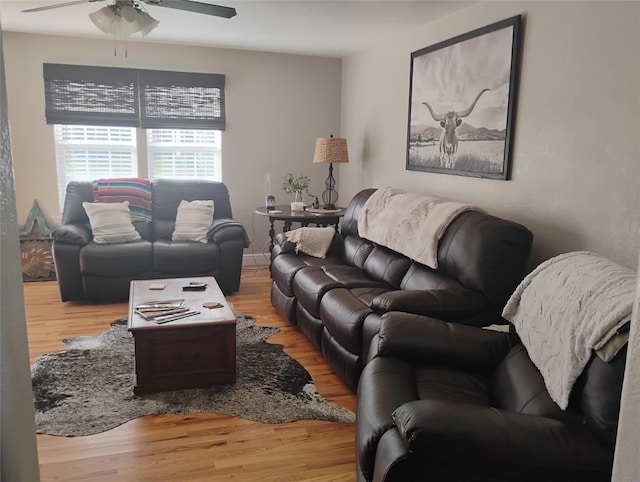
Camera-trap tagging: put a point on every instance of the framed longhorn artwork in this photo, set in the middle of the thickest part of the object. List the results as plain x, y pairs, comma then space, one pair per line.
462, 103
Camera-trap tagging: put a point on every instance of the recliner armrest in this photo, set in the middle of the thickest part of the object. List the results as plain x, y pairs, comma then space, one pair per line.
448, 305
226, 229
507, 444
425, 339
79, 234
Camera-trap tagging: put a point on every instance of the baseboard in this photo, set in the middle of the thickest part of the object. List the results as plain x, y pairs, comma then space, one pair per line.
261, 259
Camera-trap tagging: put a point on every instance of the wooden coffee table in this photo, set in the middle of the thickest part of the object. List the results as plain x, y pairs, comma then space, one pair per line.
191, 352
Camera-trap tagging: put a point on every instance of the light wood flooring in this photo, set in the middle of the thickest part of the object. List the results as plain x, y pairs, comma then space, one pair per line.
202, 447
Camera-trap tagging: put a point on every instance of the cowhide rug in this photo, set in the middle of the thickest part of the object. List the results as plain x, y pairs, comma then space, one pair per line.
88, 387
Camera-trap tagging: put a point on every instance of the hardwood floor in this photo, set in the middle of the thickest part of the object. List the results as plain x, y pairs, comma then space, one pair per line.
202, 447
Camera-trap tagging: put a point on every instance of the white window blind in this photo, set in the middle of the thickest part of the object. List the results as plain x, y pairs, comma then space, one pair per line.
86, 153
184, 153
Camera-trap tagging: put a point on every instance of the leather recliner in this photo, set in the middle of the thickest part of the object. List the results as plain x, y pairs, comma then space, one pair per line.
447, 402
103, 272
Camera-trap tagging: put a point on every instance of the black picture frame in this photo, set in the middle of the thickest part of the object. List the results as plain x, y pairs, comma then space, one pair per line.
462, 103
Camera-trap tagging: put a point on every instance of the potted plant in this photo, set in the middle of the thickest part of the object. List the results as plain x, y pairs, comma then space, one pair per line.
296, 185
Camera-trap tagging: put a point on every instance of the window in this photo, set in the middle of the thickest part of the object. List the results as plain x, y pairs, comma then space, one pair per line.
181, 153
162, 123
86, 153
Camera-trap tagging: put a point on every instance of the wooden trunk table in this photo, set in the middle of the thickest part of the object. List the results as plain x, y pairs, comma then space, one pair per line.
191, 352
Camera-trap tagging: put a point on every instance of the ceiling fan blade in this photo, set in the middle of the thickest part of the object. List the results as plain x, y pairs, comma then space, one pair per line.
197, 7
58, 5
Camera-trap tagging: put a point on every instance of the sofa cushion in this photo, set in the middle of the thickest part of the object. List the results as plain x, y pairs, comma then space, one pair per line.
111, 223
343, 314
283, 271
310, 285
193, 220
352, 277
116, 260
434, 382
175, 258
419, 277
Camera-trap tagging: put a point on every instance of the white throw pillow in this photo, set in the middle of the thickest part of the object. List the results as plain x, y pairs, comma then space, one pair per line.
111, 222
193, 221
312, 241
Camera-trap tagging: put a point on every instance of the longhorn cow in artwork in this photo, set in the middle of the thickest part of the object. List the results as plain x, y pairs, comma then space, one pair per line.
449, 138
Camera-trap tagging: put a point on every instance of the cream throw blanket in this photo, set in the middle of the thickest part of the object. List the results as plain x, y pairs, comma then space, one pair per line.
567, 307
313, 241
411, 224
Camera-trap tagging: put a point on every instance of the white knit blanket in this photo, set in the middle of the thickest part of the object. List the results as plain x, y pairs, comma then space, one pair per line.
567, 307
411, 224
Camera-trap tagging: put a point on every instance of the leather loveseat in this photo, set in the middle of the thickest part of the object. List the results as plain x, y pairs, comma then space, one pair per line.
443, 401
102, 272
337, 301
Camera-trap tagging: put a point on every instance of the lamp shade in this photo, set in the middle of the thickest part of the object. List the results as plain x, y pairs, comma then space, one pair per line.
331, 149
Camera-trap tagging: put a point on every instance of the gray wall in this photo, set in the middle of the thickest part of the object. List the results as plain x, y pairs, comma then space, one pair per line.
277, 105
19, 458
576, 162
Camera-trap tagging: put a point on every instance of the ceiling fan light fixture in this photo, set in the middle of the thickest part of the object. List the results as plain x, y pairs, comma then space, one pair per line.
128, 20
123, 19
149, 23
104, 19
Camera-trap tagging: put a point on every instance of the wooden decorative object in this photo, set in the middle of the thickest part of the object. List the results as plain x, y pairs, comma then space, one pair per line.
35, 247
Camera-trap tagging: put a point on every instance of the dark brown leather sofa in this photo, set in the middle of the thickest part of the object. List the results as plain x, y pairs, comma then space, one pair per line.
447, 402
337, 302
102, 272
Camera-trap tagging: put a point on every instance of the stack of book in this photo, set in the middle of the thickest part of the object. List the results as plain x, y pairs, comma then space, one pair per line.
164, 311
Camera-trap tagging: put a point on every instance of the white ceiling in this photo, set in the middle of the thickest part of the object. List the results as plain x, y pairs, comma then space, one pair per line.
321, 27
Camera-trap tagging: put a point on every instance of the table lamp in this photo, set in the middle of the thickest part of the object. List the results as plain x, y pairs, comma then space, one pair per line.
330, 149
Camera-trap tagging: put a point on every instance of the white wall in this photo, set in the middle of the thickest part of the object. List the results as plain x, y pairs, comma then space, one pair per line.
576, 161
276, 104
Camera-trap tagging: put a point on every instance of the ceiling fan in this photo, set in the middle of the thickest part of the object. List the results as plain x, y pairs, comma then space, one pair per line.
130, 16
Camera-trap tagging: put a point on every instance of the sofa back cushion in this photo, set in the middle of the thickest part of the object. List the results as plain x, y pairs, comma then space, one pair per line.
168, 193
481, 251
386, 265
518, 386
601, 390
355, 251
349, 225
77, 193
485, 253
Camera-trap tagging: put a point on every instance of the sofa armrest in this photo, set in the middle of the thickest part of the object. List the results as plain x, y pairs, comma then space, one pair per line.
285, 246
226, 229
425, 339
79, 234
448, 305
505, 444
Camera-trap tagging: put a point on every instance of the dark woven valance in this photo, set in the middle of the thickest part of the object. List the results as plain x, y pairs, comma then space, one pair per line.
111, 96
